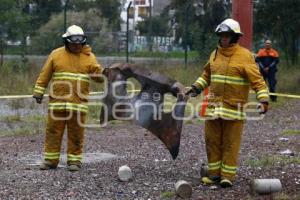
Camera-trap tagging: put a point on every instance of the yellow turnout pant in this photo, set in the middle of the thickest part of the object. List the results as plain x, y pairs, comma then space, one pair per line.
223, 139
57, 120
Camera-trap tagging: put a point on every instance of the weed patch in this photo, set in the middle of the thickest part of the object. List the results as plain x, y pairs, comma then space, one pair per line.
275, 160
167, 194
291, 132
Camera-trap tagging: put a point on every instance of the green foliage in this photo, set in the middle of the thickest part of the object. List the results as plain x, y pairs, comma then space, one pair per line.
201, 25
109, 9
43, 11
23, 18
95, 27
281, 26
14, 23
159, 26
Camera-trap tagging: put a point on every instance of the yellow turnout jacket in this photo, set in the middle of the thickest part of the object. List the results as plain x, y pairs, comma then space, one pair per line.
70, 74
230, 73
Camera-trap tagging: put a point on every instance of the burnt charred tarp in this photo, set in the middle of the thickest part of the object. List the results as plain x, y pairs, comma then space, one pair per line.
145, 108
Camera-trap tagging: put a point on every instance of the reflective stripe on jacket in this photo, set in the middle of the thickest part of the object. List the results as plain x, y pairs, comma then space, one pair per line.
70, 74
230, 73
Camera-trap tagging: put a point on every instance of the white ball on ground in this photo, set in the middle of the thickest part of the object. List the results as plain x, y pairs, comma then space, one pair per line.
124, 173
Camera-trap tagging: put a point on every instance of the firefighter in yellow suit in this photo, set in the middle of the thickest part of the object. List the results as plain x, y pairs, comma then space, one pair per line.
230, 72
70, 67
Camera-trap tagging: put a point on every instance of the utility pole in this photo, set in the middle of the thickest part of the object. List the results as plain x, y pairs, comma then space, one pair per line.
150, 25
65, 14
127, 31
186, 25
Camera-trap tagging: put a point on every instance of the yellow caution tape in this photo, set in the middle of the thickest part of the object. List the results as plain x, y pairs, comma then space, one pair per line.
94, 93
18, 96
285, 95
282, 95
30, 96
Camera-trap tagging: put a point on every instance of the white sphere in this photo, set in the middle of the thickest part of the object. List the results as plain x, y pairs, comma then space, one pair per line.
124, 173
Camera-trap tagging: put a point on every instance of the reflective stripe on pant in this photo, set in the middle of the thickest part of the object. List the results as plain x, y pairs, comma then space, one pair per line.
223, 138
54, 134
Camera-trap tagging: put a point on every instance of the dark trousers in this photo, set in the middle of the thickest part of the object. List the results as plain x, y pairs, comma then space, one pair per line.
270, 78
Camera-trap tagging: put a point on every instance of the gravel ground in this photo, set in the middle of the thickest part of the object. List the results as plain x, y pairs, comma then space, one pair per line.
154, 172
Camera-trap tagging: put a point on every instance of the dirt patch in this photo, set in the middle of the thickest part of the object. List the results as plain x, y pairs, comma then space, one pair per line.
154, 172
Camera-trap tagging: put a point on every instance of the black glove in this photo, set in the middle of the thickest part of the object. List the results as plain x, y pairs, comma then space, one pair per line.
194, 91
38, 99
263, 107
105, 71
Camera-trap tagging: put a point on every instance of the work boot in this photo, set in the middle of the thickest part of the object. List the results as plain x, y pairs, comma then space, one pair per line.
74, 167
210, 180
46, 165
225, 183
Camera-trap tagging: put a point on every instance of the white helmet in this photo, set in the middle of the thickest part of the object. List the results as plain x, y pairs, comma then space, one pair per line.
74, 34
229, 25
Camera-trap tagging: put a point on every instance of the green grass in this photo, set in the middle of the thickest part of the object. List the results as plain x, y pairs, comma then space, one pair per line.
29, 125
19, 77
288, 79
18, 50
291, 132
11, 119
167, 194
176, 54
18, 132
270, 161
27, 119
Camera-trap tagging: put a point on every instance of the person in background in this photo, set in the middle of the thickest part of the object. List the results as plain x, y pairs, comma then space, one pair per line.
267, 60
70, 68
229, 73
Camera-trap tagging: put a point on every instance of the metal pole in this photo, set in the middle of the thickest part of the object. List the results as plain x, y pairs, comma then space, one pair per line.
65, 14
186, 21
127, 31
150, 25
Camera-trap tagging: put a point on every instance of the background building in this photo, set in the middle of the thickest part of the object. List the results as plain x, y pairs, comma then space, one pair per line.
141, 10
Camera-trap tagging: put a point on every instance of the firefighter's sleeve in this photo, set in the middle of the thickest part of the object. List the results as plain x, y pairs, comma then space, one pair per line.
96, 70
256, 80
44, 78
204, 80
